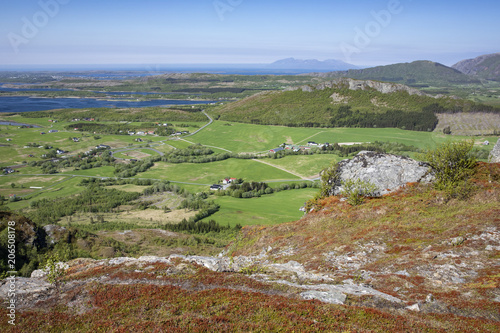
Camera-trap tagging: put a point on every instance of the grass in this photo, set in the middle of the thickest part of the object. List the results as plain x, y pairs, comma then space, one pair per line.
305, 165
209, 173
14, 152
179, 144
267, 210
235, 137
193, 126
23, 183
469, 124
149, 218
239, 137
64, 188
128, 188
138, 153
105, 171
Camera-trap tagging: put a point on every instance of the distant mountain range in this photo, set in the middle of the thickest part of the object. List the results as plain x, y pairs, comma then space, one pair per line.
485, 67
414, 73
312, 65
422, 72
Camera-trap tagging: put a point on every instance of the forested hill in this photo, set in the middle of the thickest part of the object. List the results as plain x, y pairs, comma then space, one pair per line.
347, 103
414, 73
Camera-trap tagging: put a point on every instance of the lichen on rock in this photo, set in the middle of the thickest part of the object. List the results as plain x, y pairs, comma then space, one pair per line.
495, 153
387, 172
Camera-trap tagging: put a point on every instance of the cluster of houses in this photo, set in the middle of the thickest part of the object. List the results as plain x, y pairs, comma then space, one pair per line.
226, 182
141, 133
179, 133
58, 152
83, 119
51, 131
297, 148
98, 147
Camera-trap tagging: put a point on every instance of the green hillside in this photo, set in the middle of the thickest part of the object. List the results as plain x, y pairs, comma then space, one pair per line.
337, 104
414, 73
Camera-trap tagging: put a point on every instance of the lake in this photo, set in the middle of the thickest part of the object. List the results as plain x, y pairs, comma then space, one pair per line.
25, 104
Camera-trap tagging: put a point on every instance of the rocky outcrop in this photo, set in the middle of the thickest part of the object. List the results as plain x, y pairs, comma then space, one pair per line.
324, 288
495, 153
383, 87
54, 233
386, 171
27, 232
352, 84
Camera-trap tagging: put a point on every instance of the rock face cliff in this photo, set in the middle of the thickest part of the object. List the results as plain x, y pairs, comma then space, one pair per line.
386, 171
495, 153
383, 87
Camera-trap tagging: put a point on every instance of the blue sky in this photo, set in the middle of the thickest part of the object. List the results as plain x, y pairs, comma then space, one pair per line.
245, 31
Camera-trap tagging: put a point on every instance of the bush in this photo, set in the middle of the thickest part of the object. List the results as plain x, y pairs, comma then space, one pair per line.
453, 164
356, 189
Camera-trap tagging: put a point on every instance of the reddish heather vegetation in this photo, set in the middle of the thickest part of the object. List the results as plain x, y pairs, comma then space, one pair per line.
189, 298
438, 256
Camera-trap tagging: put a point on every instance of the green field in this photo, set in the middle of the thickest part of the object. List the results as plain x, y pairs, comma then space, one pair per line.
136, 153
267, 210
105, 171
305, 165
52, 190
23, 184
239, 137
178, 143
14, 151
209, 173
220, 135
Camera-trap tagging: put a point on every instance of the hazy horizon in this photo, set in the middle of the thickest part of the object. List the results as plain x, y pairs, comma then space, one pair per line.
223, 32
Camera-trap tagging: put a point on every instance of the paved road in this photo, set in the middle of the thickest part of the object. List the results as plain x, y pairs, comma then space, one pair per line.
210, 121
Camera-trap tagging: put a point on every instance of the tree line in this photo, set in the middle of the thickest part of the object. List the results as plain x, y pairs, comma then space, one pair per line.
94, 199
248, 190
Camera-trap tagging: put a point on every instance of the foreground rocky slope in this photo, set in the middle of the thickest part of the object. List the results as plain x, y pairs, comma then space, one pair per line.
412, 261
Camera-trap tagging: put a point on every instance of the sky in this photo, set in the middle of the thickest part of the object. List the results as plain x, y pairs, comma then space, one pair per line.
154, 32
